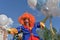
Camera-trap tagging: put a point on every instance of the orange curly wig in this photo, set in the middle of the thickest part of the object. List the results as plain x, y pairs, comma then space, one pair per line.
28, 16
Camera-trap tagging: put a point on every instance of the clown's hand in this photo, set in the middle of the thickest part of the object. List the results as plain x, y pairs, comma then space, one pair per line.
42, 25
12, 31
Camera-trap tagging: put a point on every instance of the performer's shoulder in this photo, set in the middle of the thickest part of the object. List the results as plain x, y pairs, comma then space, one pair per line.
37, 23
19, 27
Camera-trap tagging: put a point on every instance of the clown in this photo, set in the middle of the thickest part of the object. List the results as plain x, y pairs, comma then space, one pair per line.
28, 27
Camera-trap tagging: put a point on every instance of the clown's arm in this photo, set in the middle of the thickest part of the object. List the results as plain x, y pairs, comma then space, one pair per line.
42, 23
14, 31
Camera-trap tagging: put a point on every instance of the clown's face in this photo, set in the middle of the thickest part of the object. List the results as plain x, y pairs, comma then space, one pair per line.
26, 22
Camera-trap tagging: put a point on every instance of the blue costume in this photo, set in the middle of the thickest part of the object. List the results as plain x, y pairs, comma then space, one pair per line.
27, 33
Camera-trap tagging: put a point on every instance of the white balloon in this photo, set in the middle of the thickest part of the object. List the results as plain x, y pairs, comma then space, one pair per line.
53, 7
10, 21
3, 20
36, 4
32, 3
9, 24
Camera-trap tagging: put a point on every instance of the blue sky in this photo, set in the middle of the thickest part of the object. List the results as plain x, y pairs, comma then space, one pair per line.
15, 8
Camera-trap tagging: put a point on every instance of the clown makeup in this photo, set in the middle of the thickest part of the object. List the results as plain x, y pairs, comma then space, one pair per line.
26, 22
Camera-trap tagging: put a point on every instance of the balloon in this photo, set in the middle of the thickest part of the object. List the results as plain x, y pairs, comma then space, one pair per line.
53, 7
3, 20
36, 4
32, 3
48, 7
9, 24
40, 4
10, 21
